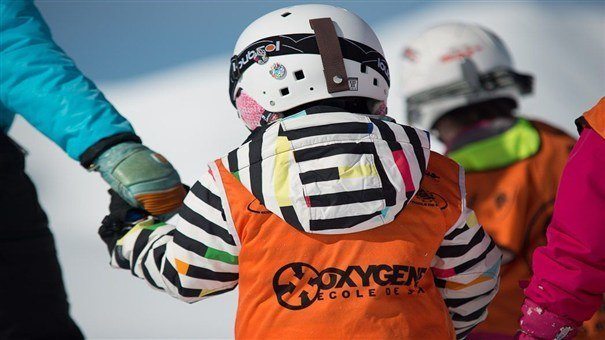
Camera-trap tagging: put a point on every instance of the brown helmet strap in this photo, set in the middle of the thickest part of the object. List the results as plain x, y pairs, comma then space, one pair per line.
331, 55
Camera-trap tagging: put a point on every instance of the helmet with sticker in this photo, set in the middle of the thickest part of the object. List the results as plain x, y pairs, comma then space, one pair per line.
454, 65
304, 54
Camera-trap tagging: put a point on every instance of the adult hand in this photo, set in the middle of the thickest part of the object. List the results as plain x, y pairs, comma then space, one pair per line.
142, 177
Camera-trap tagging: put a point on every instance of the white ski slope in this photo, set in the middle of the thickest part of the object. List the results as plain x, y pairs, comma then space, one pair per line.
185, 114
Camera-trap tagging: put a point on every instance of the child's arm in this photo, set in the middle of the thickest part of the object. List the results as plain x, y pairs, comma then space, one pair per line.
466, 269
195, 259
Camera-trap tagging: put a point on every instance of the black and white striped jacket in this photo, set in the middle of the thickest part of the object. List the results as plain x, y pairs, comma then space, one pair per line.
328, 173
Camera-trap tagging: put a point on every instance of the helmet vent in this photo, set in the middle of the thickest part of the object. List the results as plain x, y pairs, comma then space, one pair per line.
375, 82
363, 68
299, 75
285, 14
284, 92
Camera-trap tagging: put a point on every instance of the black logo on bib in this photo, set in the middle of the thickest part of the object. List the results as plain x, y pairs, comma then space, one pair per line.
429, 199
298, 285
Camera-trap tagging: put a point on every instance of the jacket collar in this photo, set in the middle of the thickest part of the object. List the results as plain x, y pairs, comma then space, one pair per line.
518, 142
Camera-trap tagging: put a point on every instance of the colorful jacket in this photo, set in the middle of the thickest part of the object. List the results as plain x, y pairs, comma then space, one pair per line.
42, 84
334, 225
511, 183
569, 272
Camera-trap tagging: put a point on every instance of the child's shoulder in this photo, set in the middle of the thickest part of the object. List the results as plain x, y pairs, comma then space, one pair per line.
443, 168
444, 179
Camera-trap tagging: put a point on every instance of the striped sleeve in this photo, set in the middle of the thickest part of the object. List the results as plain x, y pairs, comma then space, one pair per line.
196, 258
466, 269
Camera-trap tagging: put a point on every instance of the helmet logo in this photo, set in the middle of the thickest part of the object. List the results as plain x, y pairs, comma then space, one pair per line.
256, 54
278, 71
382, 65
462, 52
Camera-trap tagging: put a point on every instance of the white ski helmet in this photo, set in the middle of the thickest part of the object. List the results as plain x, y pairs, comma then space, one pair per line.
301, 54
453, 65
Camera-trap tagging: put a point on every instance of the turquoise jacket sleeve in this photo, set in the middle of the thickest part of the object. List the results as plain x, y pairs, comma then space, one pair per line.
42, 84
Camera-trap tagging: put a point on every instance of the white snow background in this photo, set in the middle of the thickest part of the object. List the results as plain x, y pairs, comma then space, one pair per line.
185, 114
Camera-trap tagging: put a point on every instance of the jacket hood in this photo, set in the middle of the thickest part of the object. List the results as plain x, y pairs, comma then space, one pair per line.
333, 173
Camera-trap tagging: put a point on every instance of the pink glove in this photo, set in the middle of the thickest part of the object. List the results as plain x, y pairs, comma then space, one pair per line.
538, 323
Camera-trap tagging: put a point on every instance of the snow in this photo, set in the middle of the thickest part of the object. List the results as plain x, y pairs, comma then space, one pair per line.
185, 114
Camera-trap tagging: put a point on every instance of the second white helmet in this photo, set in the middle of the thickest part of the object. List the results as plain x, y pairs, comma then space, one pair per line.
453, 65
302, 54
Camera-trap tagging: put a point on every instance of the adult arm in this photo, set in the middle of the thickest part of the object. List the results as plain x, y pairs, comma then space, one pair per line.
42, 84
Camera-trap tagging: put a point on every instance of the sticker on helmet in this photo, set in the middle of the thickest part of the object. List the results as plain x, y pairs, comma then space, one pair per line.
461, 52
353, 84
278, 71
410, 54
261, 56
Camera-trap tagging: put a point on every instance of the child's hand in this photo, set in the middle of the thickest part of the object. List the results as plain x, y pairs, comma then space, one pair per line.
122, 217
538, 323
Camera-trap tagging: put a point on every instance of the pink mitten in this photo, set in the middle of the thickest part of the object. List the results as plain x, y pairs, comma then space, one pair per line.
538, 323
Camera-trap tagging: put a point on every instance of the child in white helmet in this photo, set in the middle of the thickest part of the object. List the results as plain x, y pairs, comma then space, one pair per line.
460, 82
334, 221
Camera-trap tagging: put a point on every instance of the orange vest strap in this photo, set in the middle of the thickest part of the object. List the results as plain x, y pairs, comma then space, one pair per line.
595, 117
